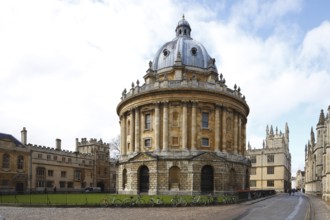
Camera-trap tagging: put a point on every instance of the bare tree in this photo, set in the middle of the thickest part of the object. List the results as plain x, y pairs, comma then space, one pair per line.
115, 148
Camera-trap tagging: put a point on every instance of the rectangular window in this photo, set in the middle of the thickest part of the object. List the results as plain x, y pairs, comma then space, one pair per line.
253, 159
147, 121
5, 182
63, 159
270, 158
41, 172
253, 171
49, 184
77, 174
147, 142
175, 140
253, 183
205, 142
70, 184
63, 174
62, 184
39, 156
270, 183
50, 173
40, 183
55, 157
270, 170
69, 160
205, 120
48, 157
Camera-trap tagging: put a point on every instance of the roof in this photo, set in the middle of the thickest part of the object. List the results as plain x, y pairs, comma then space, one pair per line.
10, 137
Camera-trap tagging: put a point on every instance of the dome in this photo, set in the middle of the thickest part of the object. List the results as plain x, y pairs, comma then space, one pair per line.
183, 49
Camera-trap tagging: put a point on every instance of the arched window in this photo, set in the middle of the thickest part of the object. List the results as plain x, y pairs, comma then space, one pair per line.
174, 177
5, 161
128, 127
207, 179
232, 179
144, 179
124, 178
20, 162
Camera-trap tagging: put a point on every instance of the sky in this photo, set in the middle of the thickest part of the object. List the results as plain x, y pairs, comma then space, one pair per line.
65, 63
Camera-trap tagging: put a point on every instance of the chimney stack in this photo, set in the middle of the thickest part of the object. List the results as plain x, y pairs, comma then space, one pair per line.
24, 136
58, 144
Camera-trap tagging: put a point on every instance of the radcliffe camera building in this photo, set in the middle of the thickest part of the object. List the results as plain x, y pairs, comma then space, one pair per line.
183, 130
317, 158
271, 164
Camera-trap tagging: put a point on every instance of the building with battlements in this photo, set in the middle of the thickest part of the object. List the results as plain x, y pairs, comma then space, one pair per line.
271, 164
317, 158
27, 167
183, 131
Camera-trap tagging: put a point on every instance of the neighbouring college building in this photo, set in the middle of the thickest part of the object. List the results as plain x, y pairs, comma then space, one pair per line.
317, 158
26, 167
271, 164
183, 131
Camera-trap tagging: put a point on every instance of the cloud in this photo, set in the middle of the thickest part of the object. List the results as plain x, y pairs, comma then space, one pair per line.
65, 63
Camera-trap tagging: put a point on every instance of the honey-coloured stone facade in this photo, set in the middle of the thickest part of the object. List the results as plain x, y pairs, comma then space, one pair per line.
183, 131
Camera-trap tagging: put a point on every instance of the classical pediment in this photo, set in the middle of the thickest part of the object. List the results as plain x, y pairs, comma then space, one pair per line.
143, 157
208, 156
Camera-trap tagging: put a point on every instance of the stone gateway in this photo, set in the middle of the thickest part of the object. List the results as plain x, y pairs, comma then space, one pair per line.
183, 131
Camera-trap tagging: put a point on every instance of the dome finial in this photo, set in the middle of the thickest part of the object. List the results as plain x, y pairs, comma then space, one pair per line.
182, 16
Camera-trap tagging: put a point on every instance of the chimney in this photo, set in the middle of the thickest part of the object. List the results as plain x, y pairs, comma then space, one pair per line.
24, 136
58, 144
77, 144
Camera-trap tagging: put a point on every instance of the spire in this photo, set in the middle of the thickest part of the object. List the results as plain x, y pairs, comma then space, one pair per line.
249, 146
267, 130
286, 135
321, 119
271, 130
312, 137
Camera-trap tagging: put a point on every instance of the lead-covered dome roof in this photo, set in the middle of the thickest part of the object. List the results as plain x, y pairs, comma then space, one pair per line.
183, 48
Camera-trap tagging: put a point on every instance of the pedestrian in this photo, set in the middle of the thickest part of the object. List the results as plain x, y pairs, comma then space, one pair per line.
289, 191
54, 189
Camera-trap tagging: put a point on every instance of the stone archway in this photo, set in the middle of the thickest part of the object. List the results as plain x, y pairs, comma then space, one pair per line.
207, 183
144, 179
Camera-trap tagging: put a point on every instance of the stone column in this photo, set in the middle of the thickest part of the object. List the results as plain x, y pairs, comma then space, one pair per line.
244, 137
235, 133
165, 126
157, 135
123, 135
137, 130
184, 125
240, 150
193, 126
131, 128
224, 127
217, 129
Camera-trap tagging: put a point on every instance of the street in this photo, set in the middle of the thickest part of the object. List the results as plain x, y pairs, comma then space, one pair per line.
282, 206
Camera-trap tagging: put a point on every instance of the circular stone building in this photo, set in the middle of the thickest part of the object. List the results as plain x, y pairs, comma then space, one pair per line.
183, 130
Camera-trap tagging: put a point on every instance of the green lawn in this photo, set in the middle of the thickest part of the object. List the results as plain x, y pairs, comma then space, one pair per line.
79, 199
